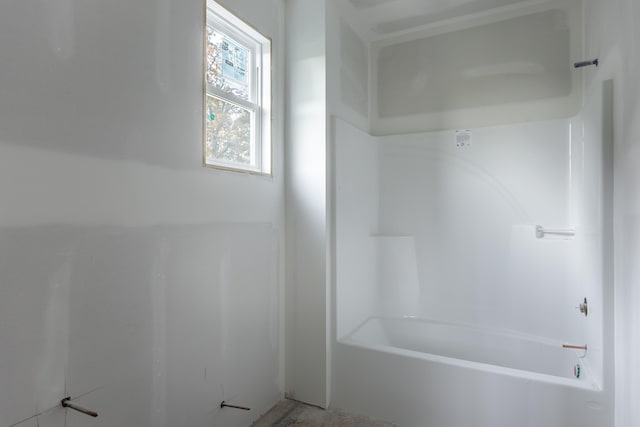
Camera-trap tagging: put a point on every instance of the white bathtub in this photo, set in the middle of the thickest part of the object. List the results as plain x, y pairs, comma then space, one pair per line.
422, 373
499, 351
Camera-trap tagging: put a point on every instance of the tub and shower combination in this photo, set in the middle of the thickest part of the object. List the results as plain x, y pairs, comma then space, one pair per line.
464, 324
452, 309
504, 351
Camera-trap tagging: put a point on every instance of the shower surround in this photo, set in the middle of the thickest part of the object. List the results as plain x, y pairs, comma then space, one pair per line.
449, 304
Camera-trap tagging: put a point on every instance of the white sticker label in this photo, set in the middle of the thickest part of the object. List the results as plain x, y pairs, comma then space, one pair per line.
463, 138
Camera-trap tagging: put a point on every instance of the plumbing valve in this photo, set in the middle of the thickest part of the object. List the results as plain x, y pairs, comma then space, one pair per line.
584, 308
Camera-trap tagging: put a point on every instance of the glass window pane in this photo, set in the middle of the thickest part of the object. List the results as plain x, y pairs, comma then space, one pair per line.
228, 133
227, 64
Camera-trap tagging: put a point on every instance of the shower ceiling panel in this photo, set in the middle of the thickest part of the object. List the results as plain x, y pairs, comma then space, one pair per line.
380, 18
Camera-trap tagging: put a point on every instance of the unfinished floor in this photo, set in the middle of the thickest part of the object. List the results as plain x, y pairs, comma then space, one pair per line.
289, 413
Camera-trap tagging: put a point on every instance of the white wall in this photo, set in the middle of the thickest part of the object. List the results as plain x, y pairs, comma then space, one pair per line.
327, 77
306, 189
508, 66
125, 277
356, 222
348, 87
611, 33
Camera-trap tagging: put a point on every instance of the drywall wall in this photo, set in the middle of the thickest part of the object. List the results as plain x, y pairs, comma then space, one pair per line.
131, 278
327, 76
513, 68
347, 68
478, 76
611, 34
306, 206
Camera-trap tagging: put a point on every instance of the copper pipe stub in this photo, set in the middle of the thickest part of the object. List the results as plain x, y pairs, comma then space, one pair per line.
575, 347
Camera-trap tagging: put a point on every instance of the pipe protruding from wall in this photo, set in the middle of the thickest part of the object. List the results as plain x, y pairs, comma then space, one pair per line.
577, 347
66, 403
586, 63
224, 404
541, 232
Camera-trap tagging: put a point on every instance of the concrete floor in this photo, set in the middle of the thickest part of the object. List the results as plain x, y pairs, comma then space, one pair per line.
289, 413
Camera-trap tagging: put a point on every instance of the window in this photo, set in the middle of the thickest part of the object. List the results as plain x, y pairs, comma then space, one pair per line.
237, 98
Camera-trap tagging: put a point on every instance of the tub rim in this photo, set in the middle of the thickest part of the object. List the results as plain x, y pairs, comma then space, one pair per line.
587, 381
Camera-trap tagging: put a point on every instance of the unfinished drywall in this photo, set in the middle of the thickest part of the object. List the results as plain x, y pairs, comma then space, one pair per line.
306, 208
348, 88
131, 278
612, 34
511, 69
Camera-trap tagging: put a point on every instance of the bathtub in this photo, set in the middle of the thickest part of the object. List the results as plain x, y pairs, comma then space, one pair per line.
423, 373
504, 352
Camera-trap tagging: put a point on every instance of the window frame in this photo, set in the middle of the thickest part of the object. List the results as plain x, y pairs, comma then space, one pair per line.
259, 79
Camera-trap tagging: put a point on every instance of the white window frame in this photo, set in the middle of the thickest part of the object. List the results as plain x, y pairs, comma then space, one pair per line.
259, 77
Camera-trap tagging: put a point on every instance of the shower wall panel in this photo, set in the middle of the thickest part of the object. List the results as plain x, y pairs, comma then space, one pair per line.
472, 210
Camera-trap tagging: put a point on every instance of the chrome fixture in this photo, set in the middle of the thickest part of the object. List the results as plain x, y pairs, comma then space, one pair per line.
541, 232
584, 308
66, 403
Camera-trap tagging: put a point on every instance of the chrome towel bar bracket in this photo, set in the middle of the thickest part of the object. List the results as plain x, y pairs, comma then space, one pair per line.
567, 233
